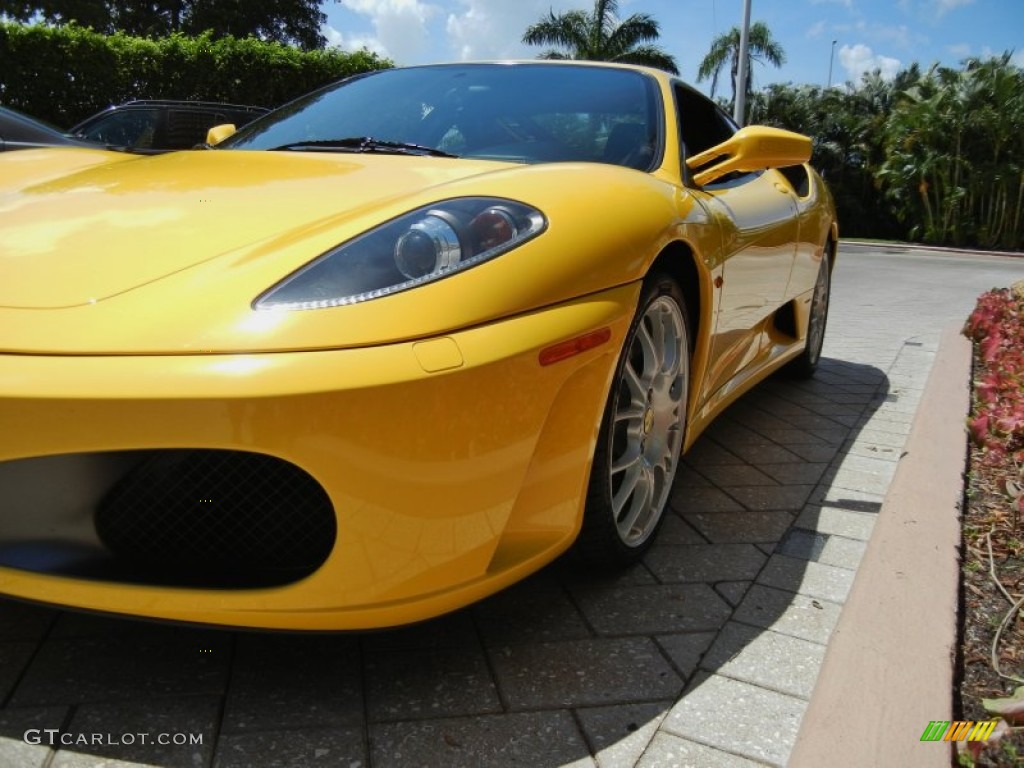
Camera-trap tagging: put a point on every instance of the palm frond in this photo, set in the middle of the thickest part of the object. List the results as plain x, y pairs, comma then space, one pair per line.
566, 30
717, 57
649, 56
637, 29
600, 35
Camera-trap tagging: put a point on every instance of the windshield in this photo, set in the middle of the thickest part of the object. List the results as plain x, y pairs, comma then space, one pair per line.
530, 113
18, 126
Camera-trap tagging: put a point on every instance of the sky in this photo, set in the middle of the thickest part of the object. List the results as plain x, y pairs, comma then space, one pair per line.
869, 34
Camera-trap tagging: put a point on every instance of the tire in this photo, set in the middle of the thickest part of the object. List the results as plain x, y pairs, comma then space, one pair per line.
641, 436
804, 366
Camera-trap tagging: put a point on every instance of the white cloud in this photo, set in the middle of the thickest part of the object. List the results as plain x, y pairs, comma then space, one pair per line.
961, 50
859, 59
1018, 58
335, 39
492, 29
816, 29
942, 7
400, 26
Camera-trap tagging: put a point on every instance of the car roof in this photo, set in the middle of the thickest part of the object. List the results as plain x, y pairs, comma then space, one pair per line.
550, 63
183, 103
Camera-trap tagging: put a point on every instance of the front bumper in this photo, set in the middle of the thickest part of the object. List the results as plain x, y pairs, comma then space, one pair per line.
454, 465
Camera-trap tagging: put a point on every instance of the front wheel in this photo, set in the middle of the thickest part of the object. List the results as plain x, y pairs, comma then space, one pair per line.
642, 430
806, 363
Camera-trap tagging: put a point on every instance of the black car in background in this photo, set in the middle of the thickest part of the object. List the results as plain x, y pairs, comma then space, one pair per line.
19, 131
151, 126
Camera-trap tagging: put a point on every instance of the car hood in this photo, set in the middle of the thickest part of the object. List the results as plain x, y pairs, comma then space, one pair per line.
96, 232
165, 255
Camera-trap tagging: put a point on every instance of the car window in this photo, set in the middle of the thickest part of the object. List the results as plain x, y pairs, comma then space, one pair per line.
188, 127
124, 128
702, 123
520, 113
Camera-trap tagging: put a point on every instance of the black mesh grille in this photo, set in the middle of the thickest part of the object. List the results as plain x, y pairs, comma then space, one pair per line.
217, 518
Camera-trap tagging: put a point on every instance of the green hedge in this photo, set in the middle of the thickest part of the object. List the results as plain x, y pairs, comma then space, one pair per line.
65, 74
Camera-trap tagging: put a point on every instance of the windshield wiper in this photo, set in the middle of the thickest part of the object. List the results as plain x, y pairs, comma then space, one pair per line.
363, 144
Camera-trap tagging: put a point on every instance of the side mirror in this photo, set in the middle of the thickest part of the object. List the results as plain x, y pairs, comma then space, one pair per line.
218, 133
753, 148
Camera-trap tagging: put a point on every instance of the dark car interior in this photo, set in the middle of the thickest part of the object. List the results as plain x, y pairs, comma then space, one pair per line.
161, 126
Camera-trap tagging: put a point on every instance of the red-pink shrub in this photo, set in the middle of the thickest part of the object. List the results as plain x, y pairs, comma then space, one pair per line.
997, 418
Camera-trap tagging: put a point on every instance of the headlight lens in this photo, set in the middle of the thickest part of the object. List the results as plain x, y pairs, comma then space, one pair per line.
417, 248
430, 245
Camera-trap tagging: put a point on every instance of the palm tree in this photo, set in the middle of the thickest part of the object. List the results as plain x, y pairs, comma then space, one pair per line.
725, 48
600, 36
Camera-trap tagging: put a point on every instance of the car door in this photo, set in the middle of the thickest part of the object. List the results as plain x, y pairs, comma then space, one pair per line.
755, 214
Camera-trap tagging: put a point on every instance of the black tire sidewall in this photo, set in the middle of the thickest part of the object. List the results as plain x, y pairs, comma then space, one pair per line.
806, 363
599, 541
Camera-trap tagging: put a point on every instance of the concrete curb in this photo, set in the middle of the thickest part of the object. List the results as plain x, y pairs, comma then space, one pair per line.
880, 245
888, 670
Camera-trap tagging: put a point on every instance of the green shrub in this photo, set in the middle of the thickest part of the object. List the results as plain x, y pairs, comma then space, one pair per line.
65, 74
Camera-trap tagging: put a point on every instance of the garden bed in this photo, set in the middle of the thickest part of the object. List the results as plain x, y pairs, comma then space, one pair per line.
991, 662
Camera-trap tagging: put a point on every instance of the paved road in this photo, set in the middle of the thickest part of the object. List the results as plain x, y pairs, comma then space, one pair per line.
705, 654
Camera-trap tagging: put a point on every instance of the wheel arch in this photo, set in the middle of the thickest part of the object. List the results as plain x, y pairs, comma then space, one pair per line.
680, 262
683, 263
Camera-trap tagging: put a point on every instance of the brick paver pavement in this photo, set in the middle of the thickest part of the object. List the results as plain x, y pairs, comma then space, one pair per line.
705, 654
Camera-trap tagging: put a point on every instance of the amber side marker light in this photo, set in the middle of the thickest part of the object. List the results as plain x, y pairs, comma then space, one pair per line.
566, 349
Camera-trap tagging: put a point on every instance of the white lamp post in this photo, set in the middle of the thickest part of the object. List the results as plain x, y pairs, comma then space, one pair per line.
831, 58
739, 109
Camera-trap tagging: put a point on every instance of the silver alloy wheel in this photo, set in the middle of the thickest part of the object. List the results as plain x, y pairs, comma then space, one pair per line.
819, 312
647, 427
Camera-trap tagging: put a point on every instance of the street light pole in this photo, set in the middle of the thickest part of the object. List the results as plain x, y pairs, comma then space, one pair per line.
740, 108
831, 58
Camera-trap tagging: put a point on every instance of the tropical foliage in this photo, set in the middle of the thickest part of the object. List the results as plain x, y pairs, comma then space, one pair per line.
725, 50
954, 155
934, 156
296, 22
75, 72
601, 36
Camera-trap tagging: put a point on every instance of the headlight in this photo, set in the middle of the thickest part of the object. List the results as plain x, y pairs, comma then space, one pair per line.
422, 246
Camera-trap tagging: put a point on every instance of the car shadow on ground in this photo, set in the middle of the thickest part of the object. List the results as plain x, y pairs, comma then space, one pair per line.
736, 600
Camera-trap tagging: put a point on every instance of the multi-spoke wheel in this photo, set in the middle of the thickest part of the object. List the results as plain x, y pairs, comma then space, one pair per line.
805, 365
641, 434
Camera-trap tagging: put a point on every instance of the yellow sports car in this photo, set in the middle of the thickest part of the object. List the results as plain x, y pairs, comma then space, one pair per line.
391, 347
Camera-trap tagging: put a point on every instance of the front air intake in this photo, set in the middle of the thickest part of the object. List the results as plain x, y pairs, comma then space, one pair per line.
216, 518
